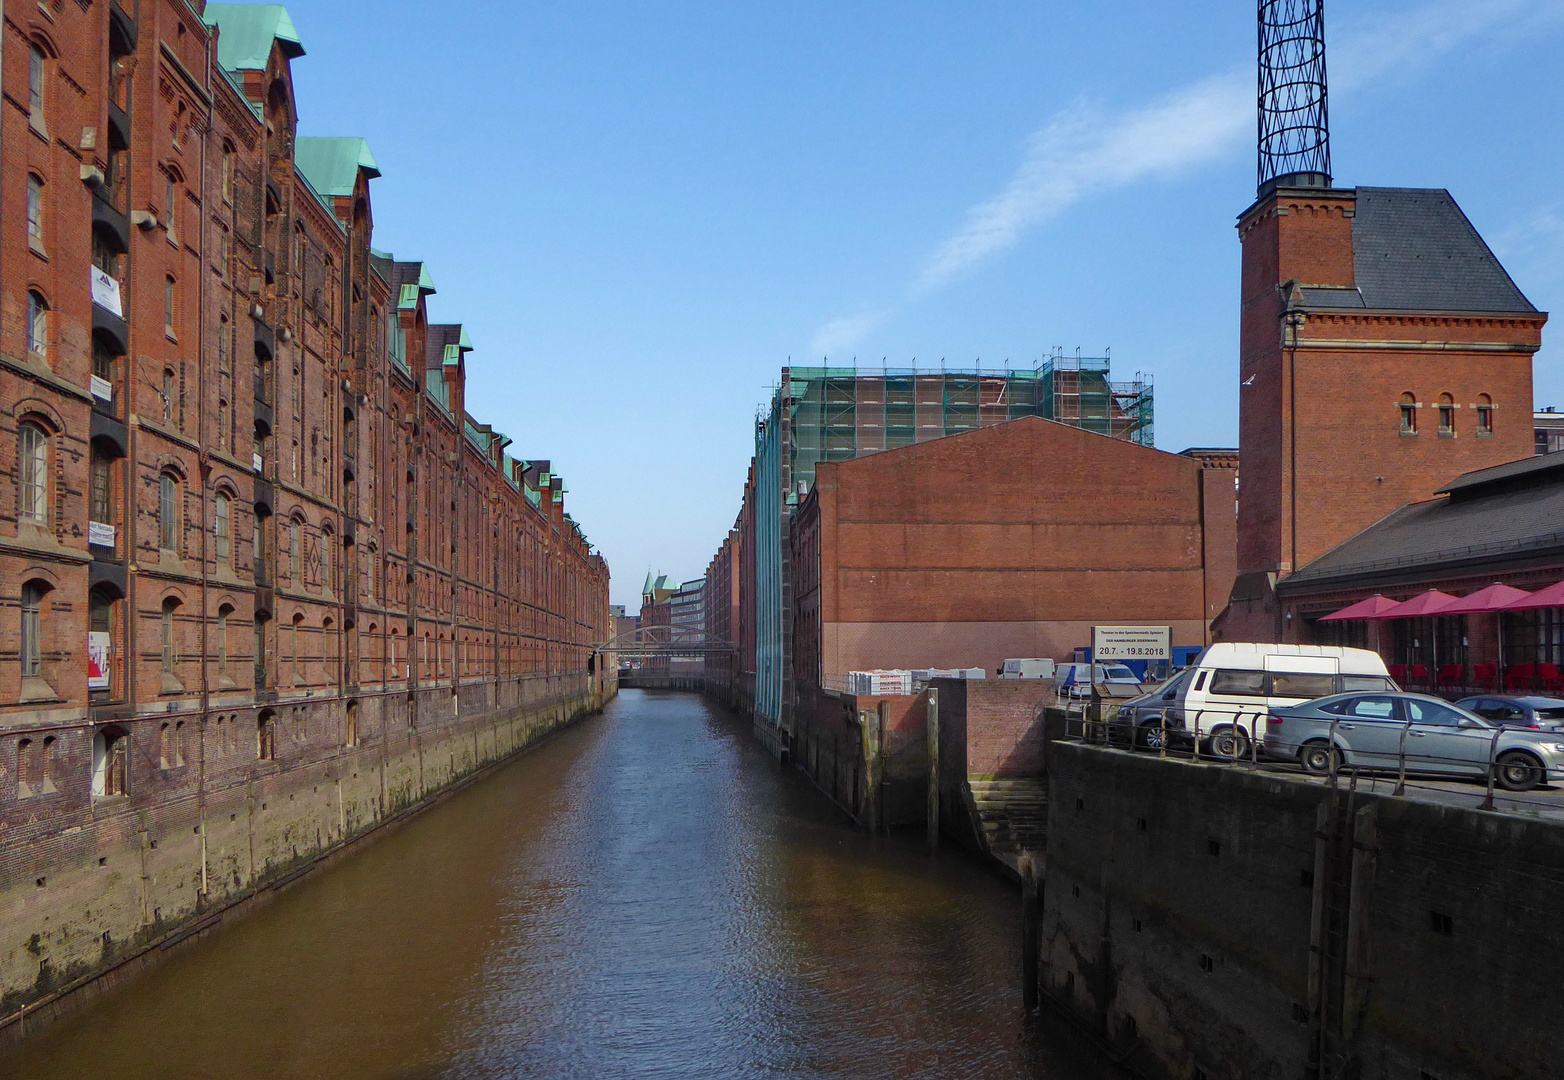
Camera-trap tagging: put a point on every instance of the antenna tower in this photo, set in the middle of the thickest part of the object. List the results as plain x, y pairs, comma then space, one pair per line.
1294, 126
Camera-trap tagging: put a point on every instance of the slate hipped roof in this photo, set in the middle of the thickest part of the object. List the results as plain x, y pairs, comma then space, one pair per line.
1509, 512
1414, 250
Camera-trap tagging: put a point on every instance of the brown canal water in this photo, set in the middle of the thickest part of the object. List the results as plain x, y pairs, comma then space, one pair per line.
646, 895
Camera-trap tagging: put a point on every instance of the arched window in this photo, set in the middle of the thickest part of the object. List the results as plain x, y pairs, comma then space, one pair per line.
222, 424
328, 651
1408, 414
1446, 414
1484, 414
32, 450
350, 725
165, 753
222, 530
100, 494
33, 593
167, 393
43, 773
37, 323
100, 640
35, 87
168, 512
228, 171
35, 211
168, 637
179, 744
266, 736
222, 640
328, 555
110, 750
24, 768
298, 661
293, 550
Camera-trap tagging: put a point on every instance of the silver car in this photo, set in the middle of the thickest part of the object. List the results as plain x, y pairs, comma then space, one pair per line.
1377, 731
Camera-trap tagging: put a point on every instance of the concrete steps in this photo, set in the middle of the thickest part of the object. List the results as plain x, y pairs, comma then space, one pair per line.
1013, 814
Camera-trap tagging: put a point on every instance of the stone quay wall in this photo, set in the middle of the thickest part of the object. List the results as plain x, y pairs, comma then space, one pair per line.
1211, 922
99, 891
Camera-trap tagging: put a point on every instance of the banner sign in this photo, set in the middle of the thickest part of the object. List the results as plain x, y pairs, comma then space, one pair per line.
105, 292
1131, 643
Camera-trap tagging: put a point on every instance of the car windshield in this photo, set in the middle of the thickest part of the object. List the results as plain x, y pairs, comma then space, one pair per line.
1118, 671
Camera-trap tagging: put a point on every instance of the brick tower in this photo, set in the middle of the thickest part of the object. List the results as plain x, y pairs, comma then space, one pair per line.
1383, 350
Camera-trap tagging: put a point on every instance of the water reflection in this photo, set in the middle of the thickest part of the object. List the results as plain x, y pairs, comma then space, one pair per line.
648, 895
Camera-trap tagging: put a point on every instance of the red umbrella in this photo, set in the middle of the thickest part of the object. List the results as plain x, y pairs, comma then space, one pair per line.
1432, 602
1372, 608
1495, 597
1552, 596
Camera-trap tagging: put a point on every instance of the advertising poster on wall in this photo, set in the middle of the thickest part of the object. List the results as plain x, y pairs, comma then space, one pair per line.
97, 660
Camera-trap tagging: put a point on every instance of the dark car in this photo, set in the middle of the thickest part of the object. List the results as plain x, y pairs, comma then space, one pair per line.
1139, 720
1538, 713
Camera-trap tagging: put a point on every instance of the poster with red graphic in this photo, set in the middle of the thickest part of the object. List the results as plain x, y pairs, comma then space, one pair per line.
97, 660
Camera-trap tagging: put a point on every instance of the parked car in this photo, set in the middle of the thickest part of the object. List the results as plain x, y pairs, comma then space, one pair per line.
1542, 713
1139, 720
1373, 731
1236, 685
1076, 679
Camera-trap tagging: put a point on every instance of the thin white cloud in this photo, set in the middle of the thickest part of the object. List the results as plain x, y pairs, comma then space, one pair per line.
845, 331
1082, 152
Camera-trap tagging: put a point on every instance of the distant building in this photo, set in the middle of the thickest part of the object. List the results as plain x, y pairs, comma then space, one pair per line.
1548, 426
827, 414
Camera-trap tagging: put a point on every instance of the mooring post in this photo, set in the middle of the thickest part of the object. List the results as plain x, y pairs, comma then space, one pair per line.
1030, 916
869, 728
933, 737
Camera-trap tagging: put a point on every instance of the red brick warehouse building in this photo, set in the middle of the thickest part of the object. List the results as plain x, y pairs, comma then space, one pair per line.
1384, 351
1010, 540
250, 534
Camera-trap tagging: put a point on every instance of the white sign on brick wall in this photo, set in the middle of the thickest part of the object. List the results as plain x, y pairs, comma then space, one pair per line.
1132, 643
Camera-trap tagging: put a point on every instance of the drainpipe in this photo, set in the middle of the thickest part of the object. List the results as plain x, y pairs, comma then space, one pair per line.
204, 473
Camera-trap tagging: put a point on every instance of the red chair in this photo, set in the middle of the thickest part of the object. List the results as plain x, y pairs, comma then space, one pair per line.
1398, 672
1549, 678
1451, 675
1519, 676
1418, 674
1486, 676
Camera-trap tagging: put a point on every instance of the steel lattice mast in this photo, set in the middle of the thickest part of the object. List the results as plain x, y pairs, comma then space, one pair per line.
1294, 127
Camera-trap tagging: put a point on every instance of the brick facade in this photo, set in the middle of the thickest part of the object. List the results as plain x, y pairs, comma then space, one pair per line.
1006, 541
1325, 450
238, 457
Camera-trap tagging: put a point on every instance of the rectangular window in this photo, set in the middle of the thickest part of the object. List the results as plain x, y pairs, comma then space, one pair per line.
222, 642
33, 465
1292, 685
1238, 683
1485, 419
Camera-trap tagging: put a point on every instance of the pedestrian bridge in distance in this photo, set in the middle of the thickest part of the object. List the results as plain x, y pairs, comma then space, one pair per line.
664, 641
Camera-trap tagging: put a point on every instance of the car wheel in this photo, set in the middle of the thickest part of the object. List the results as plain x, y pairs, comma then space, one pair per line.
1228, 743
1316, 758
1519, 771
1150, 735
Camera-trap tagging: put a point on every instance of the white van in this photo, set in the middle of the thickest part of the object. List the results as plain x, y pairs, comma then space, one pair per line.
1234, 685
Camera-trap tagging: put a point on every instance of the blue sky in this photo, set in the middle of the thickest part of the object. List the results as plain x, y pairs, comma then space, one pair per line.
642, 212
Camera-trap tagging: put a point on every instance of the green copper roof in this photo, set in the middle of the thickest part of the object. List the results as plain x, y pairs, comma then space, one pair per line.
425, 280
331, 165
246, 33
407, 298
465, 341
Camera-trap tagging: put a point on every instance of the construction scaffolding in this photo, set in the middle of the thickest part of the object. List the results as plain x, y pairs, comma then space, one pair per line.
839, 413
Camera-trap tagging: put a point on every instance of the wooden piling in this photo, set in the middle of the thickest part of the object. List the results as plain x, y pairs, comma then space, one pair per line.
869, 728
1031, 916
933, 736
